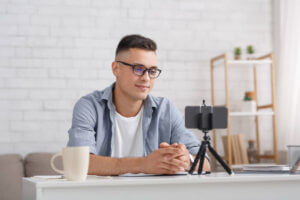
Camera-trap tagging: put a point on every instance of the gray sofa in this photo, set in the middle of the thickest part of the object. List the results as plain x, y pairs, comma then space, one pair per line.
13, 167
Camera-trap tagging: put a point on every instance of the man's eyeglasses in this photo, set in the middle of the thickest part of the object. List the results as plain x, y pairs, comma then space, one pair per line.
140, 70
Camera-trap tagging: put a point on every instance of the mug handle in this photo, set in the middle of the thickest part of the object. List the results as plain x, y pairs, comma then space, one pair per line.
52, 163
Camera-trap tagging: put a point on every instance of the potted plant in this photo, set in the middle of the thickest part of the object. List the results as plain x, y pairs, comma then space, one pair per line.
249, 104
237, 53
250, 51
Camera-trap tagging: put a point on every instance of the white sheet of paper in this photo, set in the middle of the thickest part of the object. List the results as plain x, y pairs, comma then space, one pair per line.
144, 175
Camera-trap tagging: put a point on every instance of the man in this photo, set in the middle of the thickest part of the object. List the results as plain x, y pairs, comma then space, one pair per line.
127, 129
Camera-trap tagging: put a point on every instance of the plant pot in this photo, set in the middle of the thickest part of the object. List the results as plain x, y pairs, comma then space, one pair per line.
248, 106
237, 57
251, 95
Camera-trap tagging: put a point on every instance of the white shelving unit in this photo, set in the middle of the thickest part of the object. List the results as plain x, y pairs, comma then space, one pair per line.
267, 59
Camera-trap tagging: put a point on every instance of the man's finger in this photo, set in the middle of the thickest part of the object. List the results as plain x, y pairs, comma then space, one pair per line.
170, 167
183, 158
182, 146
173, 151
174, 145
164, 145
176, 162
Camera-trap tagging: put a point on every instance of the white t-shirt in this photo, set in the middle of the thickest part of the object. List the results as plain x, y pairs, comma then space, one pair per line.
128, 137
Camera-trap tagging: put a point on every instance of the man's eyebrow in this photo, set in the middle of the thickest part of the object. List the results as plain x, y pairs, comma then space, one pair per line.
137, 64
143, 65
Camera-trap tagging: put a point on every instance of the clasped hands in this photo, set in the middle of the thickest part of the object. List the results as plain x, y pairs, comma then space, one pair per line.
168, 159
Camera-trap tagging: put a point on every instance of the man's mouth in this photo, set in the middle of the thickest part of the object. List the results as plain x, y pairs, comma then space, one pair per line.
142, 86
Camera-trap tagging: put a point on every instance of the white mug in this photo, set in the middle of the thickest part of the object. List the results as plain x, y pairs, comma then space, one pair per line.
75, 162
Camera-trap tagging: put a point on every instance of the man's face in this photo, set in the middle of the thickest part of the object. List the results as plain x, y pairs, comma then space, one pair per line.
131, 85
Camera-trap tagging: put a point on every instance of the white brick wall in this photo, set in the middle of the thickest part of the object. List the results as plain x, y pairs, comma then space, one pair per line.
53, 52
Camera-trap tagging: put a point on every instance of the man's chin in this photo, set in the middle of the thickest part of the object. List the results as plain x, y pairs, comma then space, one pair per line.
141, 96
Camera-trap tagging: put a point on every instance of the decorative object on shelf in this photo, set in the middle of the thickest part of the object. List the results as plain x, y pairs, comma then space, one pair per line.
239, 151
249, 103
250, 95
250, 52
293, 154
252, 152
250, 49
237, 53
248, 106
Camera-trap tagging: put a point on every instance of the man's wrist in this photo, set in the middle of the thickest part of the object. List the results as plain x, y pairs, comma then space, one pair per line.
141, 165
131, 165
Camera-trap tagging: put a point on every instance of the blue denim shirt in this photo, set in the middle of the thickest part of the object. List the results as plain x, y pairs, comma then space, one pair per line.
93, 124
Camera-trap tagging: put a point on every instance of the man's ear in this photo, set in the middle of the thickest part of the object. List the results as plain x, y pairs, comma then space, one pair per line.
115, 68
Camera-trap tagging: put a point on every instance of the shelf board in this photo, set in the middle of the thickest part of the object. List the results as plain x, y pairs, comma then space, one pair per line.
244, 62
250, 113
248, 62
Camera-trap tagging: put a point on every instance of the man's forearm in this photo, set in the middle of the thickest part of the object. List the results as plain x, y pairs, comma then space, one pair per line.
106, 166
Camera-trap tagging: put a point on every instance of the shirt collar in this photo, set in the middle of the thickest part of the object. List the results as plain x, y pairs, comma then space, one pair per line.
108, 94
149, 102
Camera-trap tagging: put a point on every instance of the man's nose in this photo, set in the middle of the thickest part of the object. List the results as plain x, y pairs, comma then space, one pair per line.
145, 76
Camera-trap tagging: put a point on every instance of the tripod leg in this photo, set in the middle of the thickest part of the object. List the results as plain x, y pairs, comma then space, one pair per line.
202, 160
196, 159
219, 159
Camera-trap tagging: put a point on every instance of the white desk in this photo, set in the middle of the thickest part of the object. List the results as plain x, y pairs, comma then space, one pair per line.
213, 186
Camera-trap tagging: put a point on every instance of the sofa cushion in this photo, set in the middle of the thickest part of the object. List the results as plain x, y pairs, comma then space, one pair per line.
39, 164
11, 173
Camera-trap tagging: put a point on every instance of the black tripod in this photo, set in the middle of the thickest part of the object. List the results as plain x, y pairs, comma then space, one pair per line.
201, 154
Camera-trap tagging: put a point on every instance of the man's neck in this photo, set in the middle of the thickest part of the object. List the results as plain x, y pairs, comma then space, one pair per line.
124, 105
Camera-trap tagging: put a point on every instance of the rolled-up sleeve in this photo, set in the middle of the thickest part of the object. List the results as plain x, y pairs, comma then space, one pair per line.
180, 134
82, 132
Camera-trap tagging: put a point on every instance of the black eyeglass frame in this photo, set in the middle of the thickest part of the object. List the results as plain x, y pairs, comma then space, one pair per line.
133, 66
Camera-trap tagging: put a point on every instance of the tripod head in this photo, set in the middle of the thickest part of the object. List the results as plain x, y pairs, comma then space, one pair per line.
205, 117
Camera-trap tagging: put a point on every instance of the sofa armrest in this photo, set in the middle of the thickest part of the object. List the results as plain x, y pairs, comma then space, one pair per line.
39, 164
11, 173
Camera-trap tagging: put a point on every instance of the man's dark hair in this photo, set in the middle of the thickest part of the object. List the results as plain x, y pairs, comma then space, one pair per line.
136, 41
